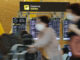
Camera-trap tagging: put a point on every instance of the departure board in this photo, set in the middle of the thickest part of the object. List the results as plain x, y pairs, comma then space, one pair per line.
55, 24
33, 30
66, 29
19, 24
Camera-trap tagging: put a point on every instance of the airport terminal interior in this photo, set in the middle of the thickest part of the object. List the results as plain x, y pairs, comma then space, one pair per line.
17, 24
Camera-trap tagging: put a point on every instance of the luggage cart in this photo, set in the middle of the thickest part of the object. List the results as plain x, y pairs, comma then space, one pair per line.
19, 52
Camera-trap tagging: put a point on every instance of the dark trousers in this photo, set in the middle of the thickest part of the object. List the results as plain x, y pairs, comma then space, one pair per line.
74, 58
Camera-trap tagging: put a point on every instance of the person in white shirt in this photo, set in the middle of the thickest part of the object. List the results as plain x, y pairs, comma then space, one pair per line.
46, 42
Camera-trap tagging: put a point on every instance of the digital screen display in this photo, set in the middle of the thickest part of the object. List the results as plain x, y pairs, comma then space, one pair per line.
66, 29
19, 24
55, 24
33, 30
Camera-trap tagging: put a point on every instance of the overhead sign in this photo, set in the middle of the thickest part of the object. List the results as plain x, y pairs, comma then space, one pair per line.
43, 6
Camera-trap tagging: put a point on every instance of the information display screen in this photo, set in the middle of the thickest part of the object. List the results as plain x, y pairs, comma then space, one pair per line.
66, 29
55, 24
33, 30
19, 24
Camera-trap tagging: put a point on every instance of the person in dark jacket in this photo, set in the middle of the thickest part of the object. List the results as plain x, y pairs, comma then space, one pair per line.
6, 42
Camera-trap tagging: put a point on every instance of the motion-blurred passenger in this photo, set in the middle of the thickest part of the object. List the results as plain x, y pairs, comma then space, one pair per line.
6, 42
46, 42
75, 46
73, 14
